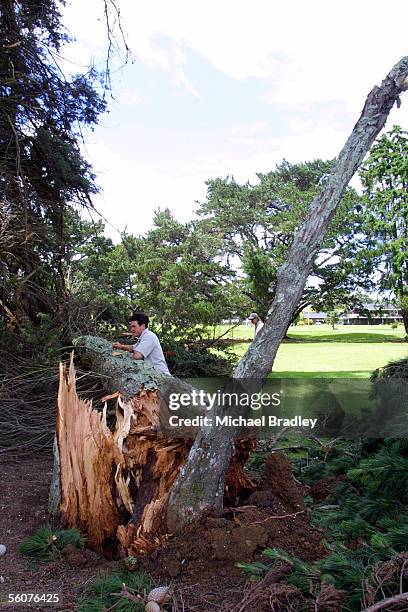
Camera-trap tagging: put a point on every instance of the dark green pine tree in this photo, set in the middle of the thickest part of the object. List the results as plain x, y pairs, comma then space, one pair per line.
44, 179
256, 224
385, 215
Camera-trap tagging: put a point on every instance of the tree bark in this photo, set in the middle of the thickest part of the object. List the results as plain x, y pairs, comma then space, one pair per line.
405, 320
213, 446
387, 603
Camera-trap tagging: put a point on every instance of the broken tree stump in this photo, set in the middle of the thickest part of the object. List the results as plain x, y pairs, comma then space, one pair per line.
115, 483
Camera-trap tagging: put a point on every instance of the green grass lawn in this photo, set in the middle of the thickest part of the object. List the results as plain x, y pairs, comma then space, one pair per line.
319, 351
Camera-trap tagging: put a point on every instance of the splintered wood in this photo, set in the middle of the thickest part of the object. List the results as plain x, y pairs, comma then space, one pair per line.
115, 485
87, 454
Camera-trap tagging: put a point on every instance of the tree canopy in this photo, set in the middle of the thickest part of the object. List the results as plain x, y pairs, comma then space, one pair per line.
255, 225
43, 176
174, 272
384, 176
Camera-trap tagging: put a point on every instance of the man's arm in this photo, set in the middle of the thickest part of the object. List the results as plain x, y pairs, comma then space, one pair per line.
129, 348
123, 347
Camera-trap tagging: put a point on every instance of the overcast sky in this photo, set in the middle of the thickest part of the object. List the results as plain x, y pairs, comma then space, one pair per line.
228, 88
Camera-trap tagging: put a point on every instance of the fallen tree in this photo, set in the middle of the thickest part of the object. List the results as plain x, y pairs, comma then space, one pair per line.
139, 486
116, 484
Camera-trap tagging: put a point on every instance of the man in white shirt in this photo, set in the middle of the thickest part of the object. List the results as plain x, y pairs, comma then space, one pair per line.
255, 320
148, 345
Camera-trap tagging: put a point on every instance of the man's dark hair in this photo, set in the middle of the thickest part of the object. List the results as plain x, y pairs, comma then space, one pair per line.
140, 317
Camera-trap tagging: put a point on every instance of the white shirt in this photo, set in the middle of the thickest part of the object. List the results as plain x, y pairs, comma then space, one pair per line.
149, 346
258, 327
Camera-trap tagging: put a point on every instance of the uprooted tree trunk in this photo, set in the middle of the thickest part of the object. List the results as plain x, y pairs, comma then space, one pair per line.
116, 484
214, 446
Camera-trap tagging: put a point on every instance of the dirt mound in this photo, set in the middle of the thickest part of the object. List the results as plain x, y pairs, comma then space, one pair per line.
277, 479
275, 516
200, 562
323, 488
202, 559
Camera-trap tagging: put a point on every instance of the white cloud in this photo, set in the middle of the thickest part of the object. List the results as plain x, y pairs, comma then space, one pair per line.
130, 97
317, 60
307, 51
132, 192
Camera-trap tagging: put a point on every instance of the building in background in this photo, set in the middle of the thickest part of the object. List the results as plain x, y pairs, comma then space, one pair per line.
372, 314
366, 314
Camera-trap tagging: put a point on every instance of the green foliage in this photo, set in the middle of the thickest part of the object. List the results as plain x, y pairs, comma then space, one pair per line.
103, 278
365, 524
100, 594
384, 214
44, 180
195, 358
372, 514
347, 571
180, 279
174, 273
46, 544
260, 273
384, 474
256, 223
329, 461
395, 370
332, 318
389, 389
43, 337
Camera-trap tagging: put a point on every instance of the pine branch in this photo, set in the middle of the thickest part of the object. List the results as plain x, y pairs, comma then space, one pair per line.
390, 601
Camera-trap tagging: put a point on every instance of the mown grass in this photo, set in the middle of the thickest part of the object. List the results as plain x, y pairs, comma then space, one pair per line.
320, 352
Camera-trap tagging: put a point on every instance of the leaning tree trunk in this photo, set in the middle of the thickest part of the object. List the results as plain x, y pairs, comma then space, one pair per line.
214, 446
405, 320
116, 484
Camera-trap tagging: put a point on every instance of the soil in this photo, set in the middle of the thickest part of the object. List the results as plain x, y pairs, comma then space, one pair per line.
24, 488
324, 488
207, 553
200, 563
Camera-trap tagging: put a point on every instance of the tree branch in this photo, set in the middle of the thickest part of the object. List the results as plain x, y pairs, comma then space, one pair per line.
390, 601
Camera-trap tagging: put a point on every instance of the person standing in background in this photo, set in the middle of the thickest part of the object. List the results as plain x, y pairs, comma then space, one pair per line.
255, 320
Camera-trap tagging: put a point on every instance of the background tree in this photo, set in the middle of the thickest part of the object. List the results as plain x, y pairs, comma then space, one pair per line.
384, 176
103, 278
174, 272
333, 317
43, 176
256, 225
180, 278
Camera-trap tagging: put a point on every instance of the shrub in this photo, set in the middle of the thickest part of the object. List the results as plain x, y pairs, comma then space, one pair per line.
104, 592
196, 359
46, 544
